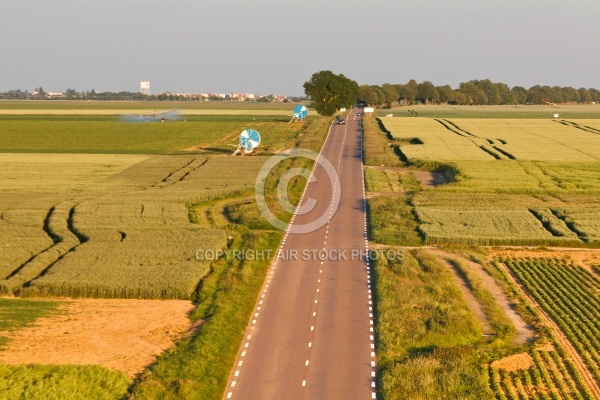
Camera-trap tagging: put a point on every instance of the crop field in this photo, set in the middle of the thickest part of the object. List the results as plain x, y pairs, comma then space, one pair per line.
512, 179
57, 173
128, 237
92, 207
107, 135
533, 139
484, 139
428, 139
539, 179
579, 111
486, 226
517, 203
565, 366
552, 203
590, 125
550, 376
569, 293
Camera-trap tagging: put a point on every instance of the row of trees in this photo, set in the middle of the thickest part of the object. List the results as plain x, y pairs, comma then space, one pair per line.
480, 92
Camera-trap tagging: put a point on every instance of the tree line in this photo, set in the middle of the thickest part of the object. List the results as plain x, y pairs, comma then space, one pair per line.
474, 92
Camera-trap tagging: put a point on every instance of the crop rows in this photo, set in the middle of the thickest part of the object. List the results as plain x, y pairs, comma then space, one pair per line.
485, 226
551, 377
569, 294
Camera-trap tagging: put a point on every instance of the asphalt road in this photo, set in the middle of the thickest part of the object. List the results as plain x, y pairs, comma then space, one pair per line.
311, 335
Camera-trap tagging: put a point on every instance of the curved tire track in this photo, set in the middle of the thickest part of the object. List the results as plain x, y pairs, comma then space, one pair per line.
59, 226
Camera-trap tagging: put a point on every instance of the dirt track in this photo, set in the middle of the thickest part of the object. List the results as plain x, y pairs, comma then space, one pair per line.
428, 179
525, 333
124, 335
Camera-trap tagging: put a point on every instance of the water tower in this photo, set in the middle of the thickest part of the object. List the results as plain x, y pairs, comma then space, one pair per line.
145, 88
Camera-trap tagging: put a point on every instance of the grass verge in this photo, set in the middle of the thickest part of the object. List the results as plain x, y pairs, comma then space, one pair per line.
428, 339
64, 382
199, 366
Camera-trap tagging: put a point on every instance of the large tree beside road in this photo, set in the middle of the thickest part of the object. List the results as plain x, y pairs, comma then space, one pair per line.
330, 92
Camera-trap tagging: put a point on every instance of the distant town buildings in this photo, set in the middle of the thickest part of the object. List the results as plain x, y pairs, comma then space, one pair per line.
48, 95
221, 96
145, 90
143, 94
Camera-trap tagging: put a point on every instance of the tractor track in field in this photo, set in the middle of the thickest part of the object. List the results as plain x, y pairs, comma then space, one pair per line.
577, 126
180, 174
487, 148
66, 238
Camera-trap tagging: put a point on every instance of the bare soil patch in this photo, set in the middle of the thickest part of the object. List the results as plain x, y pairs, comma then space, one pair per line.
124, 335
428, 179
515, 362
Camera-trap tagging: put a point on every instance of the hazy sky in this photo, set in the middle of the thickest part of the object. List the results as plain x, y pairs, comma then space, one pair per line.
274, 46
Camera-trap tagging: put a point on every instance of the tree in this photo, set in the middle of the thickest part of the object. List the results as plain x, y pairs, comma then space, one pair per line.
490, 90
457, 97
520, 94
400, 90
367, 95
445, 93
330, 92
571, 95
585, 95
506, 96
427, 92
473, 94
380, 95
390, 93
411, 91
